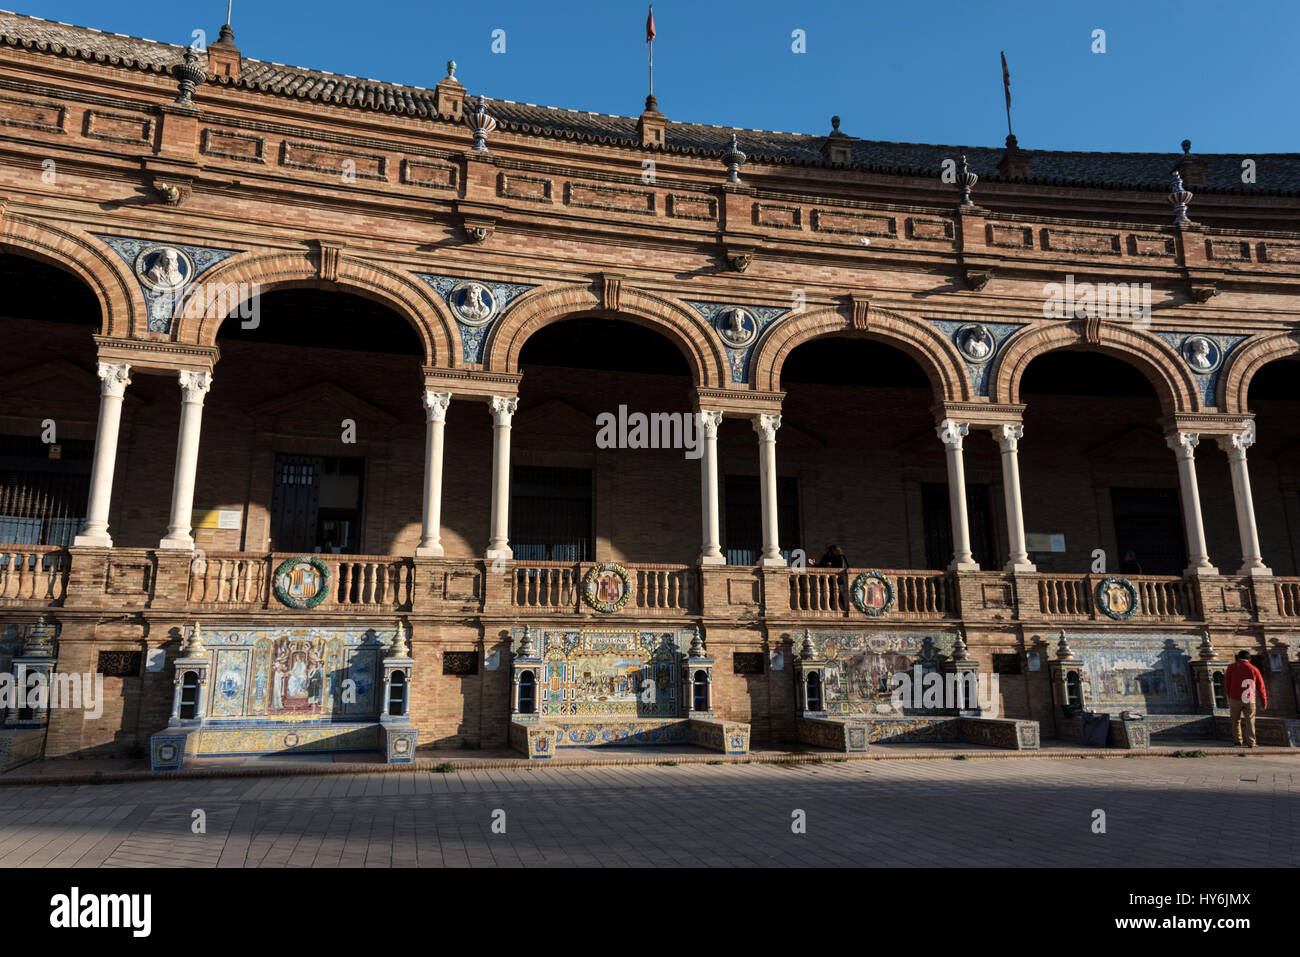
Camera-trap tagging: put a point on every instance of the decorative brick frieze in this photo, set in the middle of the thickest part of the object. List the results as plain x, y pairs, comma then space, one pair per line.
325, 159
33, 114
119, 127
228, 144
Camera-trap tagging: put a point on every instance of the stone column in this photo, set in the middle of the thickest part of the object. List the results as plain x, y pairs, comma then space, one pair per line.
1252, 563
194, 386
435, 414
503, 410
951, 434
1198, 559
1008, 439
114, 378
711, 552
766, 426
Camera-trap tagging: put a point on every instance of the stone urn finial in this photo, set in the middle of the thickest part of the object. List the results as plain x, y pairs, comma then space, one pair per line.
697, 644
1063, 650
807, 650
1207, 651
40, 640
189, 75
451, 68
959, 648
966, 181
1179, 197
734, 159
482, 123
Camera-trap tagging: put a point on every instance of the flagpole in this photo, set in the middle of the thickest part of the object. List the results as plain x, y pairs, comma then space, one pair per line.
652, 68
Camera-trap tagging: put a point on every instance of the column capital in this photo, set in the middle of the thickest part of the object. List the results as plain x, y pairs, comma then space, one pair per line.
1183, 443
194, 385
114, 377
1239, 442
435, 405
951, 433
503, 407
766, 425
710, 419
1007, 436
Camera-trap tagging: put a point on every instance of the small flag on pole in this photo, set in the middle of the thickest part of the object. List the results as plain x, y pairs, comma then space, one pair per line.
650, 42
650, 25
1006, 80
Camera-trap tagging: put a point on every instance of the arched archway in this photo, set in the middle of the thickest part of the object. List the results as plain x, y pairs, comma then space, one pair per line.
543, 307
919, 340
404, 295
1246, 361
1267, 391
1100, 486
1171, 380
121, 304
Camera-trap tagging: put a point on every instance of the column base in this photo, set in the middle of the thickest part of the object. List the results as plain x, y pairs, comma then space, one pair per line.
93, 540
711, 558
777, 562
1255, 571
501, 553
1021, 568
1197, 571
963, 566
176, 542
429, 551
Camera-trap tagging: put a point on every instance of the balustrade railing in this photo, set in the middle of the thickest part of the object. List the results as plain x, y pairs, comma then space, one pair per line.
827, 593
557, 586
33, 574
241, 580
1287, 591
1158, 597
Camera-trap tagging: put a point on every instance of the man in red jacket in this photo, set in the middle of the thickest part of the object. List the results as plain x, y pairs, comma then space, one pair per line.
1244, 685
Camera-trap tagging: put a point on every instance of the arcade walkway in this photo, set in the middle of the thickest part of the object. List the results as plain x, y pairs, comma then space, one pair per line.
1160, 812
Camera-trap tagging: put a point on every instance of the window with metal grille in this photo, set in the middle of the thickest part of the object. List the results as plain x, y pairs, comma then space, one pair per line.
119, 664
1148, 524
743, 534
460, 662
43, 489
937, 522
550, 514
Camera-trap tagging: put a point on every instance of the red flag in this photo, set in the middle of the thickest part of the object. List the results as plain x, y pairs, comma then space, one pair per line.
1006, 80
650, 26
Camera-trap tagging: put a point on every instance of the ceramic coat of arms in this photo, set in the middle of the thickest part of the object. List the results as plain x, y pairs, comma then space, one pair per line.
607, 587
302, 582
872, 593
1117, 598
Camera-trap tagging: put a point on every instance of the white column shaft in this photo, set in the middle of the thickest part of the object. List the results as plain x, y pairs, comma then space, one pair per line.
194, 386
503, 410
1008, 439
951, 434
114, 378
1198, 558
1252, 561
766, 426
711, 552
435, 409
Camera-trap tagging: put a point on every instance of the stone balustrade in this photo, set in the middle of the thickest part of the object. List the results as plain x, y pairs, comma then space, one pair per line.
119, 578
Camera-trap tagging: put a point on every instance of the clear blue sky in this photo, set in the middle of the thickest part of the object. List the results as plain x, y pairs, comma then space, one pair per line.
1224, 74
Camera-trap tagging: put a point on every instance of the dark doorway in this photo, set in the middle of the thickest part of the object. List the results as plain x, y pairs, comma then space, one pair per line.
937, 520
550, 514
316, 504
743, 533
1149, 523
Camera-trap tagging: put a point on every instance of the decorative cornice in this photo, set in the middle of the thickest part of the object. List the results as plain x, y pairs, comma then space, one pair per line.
155, 355
471, 382
738, 402
980, 415
1207, 423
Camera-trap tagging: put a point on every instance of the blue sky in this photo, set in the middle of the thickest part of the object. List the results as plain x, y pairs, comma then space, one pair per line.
1224, 75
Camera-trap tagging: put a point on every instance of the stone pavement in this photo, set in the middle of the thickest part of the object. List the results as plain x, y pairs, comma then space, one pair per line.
1159, 812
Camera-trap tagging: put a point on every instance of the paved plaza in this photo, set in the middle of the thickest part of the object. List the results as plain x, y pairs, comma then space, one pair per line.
1159, 812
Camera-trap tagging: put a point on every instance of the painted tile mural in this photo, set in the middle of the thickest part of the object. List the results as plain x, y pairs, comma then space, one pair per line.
859, 666
610, 673
1149, 673
295, 674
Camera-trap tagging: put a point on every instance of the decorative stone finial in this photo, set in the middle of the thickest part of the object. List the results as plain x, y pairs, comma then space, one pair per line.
399, 648
451, 68
835, 124
959, 648
1187, 146
1179, 197
697, 644
966, 181
190, 75
651, 104
481, 122
734, 159
1063, 649
194, 645
807, 650
526, 649
40, 640
1207, 651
